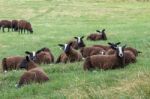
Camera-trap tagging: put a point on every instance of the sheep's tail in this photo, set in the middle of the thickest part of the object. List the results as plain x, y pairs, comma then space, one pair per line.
87, 63
4, 64
58, 59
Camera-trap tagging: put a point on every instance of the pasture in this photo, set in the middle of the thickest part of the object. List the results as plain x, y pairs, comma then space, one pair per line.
57, 21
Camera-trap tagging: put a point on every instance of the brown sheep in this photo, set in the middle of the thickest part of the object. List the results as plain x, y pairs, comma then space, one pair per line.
14, 25
62, 58
44, 55
106, 61
79, 43
133, 50
89, 51
33, 73
71, 53
5, 24
105, 47
11, 63
24, 25
97, 36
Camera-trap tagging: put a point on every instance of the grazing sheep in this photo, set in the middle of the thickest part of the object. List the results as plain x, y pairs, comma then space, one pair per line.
97, 36
89, 51
79, 43
24, 25
106, 61
71, 53
33, 73
11, 63
5, 24
14, 25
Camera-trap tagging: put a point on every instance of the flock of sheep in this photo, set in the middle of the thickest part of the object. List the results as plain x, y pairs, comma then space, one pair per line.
105, 57
16, 25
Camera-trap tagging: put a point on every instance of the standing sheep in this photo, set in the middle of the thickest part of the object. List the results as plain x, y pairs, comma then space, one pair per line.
5, 24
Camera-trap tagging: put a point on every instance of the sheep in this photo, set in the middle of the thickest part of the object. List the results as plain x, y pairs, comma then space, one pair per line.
129, 55
106, 48
106, 61
5, 24
133, 50
44, 55
33, 73
88, 51
24, 25
14, 25
62, 58
71, 53
11, 63
97, 36
79, 43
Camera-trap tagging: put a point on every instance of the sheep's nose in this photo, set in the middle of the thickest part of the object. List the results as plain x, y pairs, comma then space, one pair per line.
121, 55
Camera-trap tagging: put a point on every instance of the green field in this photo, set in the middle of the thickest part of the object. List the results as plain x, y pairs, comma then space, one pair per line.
57, 21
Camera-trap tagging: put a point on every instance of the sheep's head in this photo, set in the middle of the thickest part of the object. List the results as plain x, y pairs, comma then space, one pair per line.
32, 55
65, 47
119, 51
24, 63
80, 41
112, 45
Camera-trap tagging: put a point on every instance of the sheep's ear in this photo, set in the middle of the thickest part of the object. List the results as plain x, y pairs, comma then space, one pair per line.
61, 45
76, 37
124, 47
109, 43
27, 52
27, 58
118, 43
139, 52
103, 30
98, 31
82, 37
70, 44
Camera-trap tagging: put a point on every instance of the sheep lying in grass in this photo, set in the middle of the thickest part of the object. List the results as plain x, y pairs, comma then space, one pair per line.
44, 55
89, 51
33, 73
78, 43
106, 61
97, 36
11, 63
71, 53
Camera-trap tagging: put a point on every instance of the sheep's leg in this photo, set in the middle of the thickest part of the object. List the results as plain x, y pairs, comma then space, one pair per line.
3, 29
24, 30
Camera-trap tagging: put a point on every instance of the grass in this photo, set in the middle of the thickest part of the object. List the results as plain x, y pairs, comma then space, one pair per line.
57, 21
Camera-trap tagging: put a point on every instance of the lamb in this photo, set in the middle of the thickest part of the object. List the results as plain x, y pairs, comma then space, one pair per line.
106, 61
97, 36
33, 73
88, 51
71, 53
79, 43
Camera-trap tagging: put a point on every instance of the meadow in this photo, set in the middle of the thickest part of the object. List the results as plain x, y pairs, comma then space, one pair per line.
57, 21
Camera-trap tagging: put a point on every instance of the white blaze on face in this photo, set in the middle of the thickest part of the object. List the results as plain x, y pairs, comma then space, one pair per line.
120, 51
79, 39
33, 53
65, 47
